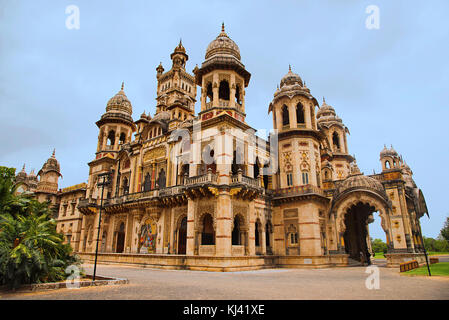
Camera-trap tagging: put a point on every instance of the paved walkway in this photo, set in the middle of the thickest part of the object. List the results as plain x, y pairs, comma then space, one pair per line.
333, 283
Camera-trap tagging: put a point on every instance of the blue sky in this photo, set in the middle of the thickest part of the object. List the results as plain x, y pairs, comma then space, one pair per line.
390, 86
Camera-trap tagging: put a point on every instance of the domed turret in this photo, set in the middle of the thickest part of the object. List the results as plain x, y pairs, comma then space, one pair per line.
222, 46
327, 116
291, 79
120, 103
52, 165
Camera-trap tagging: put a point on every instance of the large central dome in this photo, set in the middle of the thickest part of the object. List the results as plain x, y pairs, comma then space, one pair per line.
222, 46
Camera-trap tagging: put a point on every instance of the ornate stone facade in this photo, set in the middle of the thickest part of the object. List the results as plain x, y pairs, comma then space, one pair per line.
202, 192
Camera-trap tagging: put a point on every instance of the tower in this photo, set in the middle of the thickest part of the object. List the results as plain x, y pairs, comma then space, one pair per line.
47, 187
176, 89
336, 161
116, 125
223, 79
293, 109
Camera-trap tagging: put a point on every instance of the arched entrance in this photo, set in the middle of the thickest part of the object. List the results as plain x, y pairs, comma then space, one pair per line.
356, 236
121, 238
182, 236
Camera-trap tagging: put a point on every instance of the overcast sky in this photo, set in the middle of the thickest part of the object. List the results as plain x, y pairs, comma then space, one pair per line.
389, 85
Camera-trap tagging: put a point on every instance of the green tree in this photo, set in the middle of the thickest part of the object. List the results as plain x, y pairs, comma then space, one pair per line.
444, 233
379, 246
31, 251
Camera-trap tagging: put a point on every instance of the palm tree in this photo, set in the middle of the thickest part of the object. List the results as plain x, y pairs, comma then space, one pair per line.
31, 251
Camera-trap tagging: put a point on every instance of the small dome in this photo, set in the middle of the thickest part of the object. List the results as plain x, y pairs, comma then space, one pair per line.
388, 152
291, 78
120, 103
222, 45
326, 115
180, 48
51, 165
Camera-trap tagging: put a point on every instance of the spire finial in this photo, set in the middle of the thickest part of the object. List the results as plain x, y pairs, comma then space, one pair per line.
324, 100
180, 41
123, 85
23, 168
54, 151
222, 27
289, 67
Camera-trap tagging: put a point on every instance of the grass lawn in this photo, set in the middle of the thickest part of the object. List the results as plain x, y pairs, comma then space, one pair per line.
432, 253
379, 255
437, 269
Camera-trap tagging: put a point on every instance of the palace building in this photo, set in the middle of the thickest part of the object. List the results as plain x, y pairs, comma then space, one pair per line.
201, 191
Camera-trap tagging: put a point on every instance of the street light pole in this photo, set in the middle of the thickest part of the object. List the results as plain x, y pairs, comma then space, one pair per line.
102, 183
424, 247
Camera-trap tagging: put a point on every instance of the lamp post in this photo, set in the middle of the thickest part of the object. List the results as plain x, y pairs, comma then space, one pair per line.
424, 247
103, 180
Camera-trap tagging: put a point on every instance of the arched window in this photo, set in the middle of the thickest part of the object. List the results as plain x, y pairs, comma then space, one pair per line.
236, 232
387, 164
257, 234
122, 138
292, 235
125, 186
208, 234
336, 141
209, 92
223, 90
237, 94
111, 138
300, 113
256, 168
161, 179
147, 182
285, 116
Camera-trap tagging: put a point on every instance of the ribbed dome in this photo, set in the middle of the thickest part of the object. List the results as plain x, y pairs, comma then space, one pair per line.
359, 181
120, 103
222, 46
51, 165
291, 78
327, 115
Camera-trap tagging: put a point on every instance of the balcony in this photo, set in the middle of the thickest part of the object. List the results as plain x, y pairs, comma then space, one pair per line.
202, 179
241, 179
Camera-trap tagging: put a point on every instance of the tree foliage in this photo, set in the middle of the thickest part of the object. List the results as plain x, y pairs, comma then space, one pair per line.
379, 246
31, 251
444, 233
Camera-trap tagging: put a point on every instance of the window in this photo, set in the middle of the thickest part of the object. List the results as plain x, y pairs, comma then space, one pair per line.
300, 113
111, 138
289, 179
305, 178
236, 232
387, 164
336, 141
293, 238
207, 235
223, 90
285, 116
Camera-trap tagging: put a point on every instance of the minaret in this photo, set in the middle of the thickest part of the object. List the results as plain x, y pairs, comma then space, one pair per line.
335, 142
49, 175
176, 89
293, 110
